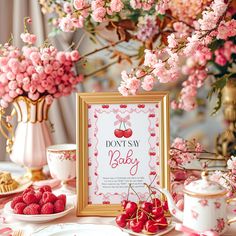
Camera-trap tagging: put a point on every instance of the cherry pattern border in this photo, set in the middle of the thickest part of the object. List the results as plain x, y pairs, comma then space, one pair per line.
154, 150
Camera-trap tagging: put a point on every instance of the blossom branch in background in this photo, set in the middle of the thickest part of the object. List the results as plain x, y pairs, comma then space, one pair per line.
184, 43
180, 41
183, 152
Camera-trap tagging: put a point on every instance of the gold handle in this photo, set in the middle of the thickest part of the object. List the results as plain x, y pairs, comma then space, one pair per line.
231, 221
231, 200
6, 129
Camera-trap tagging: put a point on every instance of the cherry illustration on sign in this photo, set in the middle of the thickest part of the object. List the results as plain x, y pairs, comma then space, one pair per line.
123, 122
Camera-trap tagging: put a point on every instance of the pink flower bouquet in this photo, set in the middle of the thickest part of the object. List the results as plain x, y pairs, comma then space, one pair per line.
34, 72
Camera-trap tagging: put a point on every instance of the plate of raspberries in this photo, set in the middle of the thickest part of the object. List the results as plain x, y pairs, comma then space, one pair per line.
38, 205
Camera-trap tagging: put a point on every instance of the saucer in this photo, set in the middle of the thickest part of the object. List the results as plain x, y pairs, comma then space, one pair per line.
37, 218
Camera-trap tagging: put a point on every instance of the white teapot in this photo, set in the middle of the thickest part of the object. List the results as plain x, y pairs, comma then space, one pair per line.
204, 206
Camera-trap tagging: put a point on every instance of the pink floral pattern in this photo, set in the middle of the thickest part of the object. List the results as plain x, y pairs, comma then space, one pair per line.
220, 225
66, 155
203, 202
217, 205
194, 214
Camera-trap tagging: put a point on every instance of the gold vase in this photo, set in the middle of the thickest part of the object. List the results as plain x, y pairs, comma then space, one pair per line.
226, 141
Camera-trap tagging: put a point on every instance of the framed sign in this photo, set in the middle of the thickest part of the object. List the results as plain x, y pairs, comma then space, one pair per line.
121, 141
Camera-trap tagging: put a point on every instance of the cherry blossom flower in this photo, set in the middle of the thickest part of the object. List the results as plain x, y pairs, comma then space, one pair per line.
148, 83
147, 27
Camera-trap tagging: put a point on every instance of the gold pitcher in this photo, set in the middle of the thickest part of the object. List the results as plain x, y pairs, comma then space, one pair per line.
226, 141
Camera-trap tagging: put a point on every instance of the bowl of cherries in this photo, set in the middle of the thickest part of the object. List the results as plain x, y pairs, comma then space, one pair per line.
145, 218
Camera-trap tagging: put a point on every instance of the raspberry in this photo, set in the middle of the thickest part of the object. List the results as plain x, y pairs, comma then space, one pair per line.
16, 200
49, 197
30, 198
41, 202
32, 209
29, 189
62, 197
19, 207
47, 208
38, 196
45, 188
59, 206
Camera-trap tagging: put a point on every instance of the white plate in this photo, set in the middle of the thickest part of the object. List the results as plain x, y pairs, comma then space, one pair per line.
74, 229
159, 233
36, 218
21, 188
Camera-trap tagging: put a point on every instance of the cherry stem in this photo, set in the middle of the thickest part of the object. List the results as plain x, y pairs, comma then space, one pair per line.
147, 213
124, 125
128, 192
149, 190
135, 192
153, 180
137, 214
120, 125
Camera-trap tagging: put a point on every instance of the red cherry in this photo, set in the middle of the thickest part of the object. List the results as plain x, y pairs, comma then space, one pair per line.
127, 133
119, 133
147, 206
124, 203
152, 115
157, 212
121, 220
165, 206
136, 225
141, 105
123, 106
128, 224
151, 226
105, 106
162, 222
156, 202
131, 208
142, 216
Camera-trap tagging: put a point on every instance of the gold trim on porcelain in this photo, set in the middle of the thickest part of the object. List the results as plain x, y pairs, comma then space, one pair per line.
61, 151
200, 195
28, 103
82, 102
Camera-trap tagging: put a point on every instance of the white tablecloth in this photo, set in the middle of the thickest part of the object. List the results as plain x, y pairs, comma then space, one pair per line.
71, 217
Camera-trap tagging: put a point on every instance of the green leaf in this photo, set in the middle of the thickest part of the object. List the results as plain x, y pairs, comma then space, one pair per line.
161, 17
216, 44
141, 51
217, 87
220, 83
218, 103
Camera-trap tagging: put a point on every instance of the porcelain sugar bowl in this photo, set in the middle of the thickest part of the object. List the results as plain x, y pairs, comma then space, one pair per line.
205, 206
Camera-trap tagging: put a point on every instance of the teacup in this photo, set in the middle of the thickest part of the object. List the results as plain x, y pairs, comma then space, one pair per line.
62, 161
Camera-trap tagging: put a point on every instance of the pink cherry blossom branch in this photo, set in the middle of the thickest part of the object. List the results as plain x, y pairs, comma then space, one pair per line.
101, 49
175, 19
106, 66
218, 22
193, 151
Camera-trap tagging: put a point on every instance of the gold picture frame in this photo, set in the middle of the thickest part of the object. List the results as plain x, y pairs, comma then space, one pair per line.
84, 103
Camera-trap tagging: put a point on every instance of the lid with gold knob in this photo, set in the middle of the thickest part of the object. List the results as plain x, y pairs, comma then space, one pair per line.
205, 187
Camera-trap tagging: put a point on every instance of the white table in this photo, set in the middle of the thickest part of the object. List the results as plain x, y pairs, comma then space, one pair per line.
71, 217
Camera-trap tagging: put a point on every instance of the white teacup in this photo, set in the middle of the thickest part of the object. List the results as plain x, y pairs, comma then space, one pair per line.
62, 161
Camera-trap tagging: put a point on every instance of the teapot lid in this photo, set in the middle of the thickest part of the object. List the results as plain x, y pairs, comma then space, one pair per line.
205, 187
